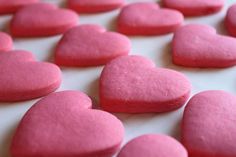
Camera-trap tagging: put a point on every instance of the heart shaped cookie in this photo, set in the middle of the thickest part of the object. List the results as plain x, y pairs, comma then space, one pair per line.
146, 18
11, 6
195, 7
200, 46
6, 42
153, 145
23, 78
132, 84
230, 20
91, 6
208, 128
42, 19
90, 45
62, 124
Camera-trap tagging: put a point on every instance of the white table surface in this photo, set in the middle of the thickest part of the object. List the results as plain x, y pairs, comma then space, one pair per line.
86, 79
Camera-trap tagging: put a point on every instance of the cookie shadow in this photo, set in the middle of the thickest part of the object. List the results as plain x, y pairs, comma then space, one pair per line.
165, 123
63, 4
5, 146
112, 24
51, 52
166, 56
175, 131
93, 93
43, 48
166, 59
5, 23
221, 29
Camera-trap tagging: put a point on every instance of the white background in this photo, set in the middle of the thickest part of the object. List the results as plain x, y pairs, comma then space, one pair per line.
86, 79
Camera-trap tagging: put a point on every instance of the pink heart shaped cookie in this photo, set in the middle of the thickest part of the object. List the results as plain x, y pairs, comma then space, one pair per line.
132, 84
90, 45
11, 6
208, 128
91, 6
22, 78
230, 20
62, 124
200, 46
42, 19
6, 42
146, 18
195, 7
153, 145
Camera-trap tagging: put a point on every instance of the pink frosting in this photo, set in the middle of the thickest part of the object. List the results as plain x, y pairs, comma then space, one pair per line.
195, 7
63, 124
42, 19
146, 18
199, 46
230, 20
208, 128
133, 84
6, 42
11, 6
94, 6
23, 78
153, 145
90, 45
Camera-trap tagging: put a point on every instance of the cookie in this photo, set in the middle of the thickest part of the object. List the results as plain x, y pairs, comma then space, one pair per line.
132, 84
208, 127
11, 6
23, 78
197, 45
153, 145
146, 18
6, 42
230, 20
42, 19
195, 7
91, 6
90, 45
63, 124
